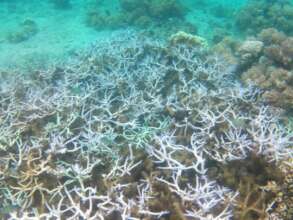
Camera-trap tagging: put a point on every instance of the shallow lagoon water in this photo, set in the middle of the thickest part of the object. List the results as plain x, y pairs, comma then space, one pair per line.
63, 31
146, 110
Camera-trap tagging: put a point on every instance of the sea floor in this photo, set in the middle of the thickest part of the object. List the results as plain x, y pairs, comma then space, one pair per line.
59, 33
62, 31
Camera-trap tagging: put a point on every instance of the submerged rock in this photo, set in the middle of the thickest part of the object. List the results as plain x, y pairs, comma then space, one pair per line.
28, 29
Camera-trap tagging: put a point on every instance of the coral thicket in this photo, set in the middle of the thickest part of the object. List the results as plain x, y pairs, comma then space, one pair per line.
261, 14
272, 68
152, 121
128, 129
166, 16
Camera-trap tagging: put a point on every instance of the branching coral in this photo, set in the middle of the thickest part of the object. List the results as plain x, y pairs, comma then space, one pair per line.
125, 130
154, 9
272, 70
258, 15
266, 62
166, 15
252, 178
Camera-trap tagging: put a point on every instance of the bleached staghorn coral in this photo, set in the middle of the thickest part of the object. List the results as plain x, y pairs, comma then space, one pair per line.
91, 121
182, 162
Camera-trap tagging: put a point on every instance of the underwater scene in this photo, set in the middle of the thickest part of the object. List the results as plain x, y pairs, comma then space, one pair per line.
146, 109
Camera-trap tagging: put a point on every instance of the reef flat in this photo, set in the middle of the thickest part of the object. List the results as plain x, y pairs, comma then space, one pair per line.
170, 110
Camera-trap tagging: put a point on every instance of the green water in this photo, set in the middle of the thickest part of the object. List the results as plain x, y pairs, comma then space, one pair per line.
62, 26
64, 29
146, 109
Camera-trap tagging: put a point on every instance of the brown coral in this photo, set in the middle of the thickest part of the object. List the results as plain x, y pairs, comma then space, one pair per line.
273, 70
249, 177
258, 15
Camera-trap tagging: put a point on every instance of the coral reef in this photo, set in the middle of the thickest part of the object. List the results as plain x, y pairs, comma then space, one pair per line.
264, 61
28, 29
249, 51
250, 177
261, 14
166, 15
158, 10
182, 37
271, 69
227, 47
126, 130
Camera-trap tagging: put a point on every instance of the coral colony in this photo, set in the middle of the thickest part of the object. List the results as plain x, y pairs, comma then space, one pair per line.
153, 122
134, 128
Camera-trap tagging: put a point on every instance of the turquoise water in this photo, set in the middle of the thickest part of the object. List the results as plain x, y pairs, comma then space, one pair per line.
61, 30
64, 28
146, 109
